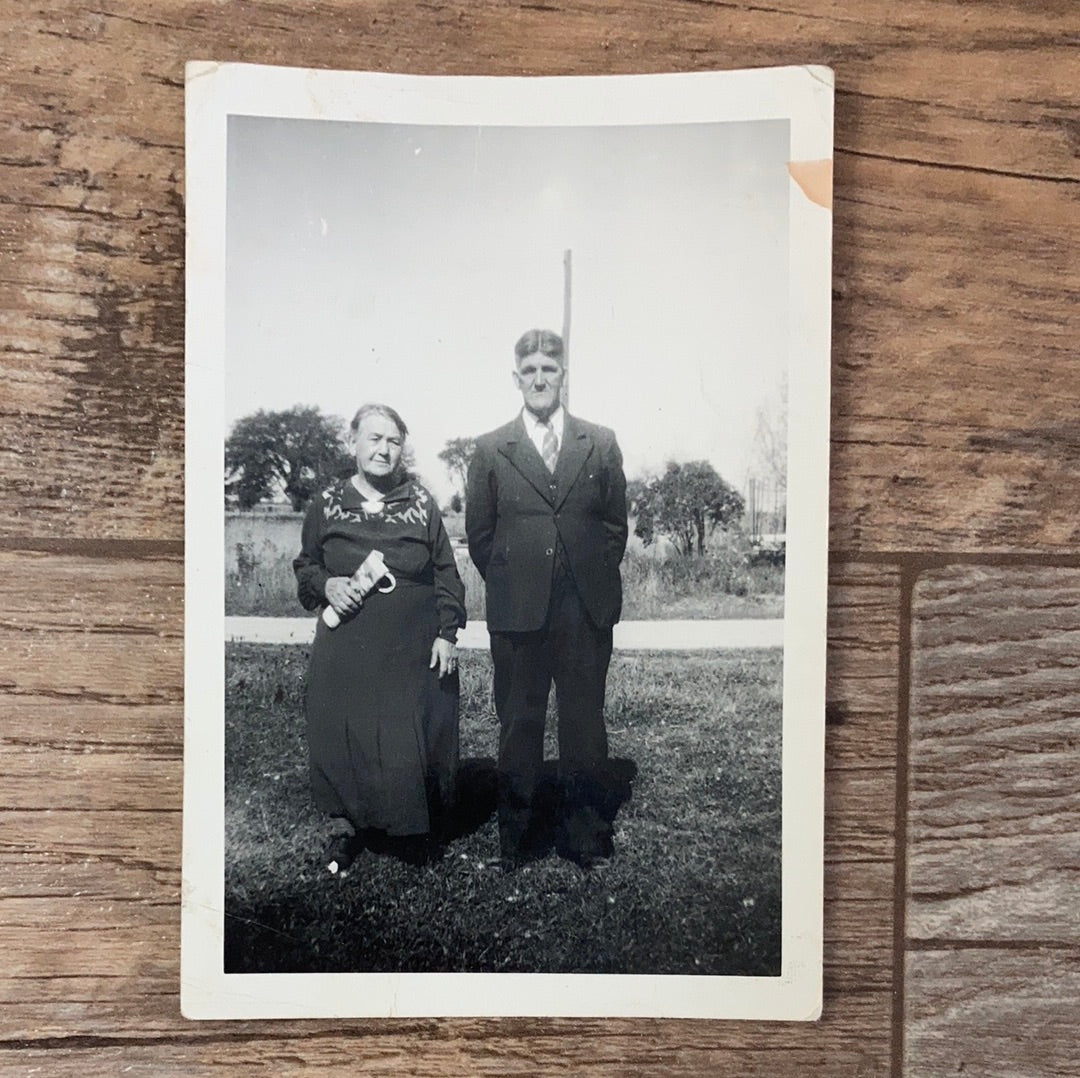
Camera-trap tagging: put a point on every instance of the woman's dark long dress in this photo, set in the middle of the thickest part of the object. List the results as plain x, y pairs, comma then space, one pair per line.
382, 726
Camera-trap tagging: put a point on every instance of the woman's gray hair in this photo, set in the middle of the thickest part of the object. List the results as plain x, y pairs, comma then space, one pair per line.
379, 409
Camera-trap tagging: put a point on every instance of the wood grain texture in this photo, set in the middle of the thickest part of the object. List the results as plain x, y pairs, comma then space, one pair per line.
954, 254
994, 821
89, 866
954, 308
434, 1049
934, 448
995, 755
993, 1013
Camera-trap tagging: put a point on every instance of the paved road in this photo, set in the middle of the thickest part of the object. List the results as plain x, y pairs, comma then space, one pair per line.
629, 635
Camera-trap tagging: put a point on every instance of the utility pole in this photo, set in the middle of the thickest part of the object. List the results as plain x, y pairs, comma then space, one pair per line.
564, 395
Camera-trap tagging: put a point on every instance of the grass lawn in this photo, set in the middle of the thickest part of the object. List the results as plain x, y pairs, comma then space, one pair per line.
694, 886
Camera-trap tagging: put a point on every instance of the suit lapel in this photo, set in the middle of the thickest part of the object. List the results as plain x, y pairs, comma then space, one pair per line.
575, 450
518, 448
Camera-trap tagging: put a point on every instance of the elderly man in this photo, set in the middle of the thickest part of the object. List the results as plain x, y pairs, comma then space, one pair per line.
546, 524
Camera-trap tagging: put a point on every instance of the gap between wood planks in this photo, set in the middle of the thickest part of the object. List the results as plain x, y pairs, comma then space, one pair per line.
951, 166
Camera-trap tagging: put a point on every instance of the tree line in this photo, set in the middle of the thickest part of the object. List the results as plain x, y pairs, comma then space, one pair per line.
295, 452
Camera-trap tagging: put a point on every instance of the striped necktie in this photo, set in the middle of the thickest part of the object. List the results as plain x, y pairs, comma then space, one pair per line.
549, 448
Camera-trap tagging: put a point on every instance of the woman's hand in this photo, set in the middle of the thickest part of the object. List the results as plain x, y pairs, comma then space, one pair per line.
343, 595
443, 656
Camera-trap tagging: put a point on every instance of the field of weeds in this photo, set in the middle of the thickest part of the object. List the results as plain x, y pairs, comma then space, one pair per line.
259, 579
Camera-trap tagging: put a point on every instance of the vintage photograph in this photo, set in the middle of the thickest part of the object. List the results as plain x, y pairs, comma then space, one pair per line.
507, 427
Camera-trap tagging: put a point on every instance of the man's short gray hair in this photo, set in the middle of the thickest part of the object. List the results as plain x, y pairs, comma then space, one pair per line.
539, 340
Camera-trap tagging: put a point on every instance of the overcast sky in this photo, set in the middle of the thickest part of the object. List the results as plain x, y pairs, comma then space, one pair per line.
399, 263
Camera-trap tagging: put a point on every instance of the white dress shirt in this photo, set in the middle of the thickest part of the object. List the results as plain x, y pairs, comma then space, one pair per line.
535, 429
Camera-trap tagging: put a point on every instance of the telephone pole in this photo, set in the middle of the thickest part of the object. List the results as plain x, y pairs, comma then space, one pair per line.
564, 395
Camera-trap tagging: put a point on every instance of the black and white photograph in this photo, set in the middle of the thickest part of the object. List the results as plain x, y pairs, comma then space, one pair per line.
507, 428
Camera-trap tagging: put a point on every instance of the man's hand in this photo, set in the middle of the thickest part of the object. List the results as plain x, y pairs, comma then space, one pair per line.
443, 656
343, 595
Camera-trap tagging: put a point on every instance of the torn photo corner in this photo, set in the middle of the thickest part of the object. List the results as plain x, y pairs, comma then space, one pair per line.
593, 313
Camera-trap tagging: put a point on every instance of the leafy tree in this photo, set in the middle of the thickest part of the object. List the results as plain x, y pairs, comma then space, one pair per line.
682, 503
296, 451
456, 456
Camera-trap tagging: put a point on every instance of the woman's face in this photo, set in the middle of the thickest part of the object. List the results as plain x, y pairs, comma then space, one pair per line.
378, 446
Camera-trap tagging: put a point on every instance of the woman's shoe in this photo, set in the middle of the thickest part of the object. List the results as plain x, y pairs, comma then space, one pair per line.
341, 853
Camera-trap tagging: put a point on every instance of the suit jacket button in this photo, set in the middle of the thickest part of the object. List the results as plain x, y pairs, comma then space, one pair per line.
549, 552
554, 486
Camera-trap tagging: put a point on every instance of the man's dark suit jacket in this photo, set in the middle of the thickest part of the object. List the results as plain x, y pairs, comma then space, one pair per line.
516, 513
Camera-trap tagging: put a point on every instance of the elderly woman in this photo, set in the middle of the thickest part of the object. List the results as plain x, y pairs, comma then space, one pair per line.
382, 693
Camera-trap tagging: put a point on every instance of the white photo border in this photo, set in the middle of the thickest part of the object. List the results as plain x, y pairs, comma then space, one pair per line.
801, 95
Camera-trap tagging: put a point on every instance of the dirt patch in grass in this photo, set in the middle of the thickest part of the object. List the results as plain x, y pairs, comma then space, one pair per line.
694, 886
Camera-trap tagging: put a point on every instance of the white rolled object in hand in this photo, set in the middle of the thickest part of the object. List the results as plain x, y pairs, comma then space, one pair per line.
372, 570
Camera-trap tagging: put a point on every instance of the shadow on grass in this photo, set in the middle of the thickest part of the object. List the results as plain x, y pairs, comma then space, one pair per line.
477, 794
694, 886
474, 805
615, 788
477, 802
405, 913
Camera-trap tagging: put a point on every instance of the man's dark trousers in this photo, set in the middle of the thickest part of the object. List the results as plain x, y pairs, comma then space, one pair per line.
573, 653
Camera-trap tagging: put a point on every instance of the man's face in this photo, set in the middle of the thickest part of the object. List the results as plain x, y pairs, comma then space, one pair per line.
539, 378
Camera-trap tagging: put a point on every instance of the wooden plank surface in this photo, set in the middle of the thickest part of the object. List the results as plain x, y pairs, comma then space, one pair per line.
993, 918
94, 860
953, 246
433, 1049
954, 435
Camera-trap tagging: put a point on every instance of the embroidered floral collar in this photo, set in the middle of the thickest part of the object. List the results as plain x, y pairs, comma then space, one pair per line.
408, 501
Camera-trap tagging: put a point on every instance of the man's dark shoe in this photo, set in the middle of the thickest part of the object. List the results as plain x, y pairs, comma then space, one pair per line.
518, 857
586, 856
585, 841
